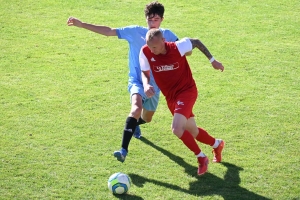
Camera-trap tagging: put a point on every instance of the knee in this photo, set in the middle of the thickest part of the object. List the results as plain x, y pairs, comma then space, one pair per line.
147, 119
136, 112
147, 116
193, 131
178, 131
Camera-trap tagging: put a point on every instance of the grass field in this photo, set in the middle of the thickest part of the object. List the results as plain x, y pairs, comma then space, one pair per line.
64, 101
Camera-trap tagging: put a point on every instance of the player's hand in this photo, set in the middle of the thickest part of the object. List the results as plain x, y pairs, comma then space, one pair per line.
149, 91
217, 65
72, 21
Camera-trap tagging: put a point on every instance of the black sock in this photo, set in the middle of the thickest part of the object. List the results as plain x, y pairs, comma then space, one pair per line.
140, 121
129, 129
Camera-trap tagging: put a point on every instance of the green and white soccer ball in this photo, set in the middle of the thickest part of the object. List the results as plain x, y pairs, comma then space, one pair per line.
119, 183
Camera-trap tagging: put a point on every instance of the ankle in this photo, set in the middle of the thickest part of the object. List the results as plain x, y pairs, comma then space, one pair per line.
201, 155
216, 144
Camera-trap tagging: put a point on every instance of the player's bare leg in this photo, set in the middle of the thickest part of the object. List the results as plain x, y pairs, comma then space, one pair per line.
191, 127
136, 106
178, 124
147, 115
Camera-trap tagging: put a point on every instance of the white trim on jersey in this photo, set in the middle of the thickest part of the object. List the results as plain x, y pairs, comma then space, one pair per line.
144, 64
184, 45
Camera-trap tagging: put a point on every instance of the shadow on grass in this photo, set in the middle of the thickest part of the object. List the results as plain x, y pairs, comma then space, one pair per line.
127, 197
205, 185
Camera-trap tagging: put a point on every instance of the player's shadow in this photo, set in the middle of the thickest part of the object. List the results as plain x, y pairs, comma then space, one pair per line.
207, 184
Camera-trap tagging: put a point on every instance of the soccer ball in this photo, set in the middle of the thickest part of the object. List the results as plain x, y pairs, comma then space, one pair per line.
119, 183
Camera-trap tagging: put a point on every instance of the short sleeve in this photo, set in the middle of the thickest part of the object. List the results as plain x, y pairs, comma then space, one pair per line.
184, 45
127, 33
144, 64
169, 35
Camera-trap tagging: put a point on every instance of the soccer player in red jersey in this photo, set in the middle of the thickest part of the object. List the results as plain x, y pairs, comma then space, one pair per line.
173, 75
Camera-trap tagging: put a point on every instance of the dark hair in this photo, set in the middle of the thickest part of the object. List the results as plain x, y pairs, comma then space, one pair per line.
154, 8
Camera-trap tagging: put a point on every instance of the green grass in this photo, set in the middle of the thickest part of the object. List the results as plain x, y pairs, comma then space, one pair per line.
63, 102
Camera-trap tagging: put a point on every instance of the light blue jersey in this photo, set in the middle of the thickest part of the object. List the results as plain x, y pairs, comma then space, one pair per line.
136, 38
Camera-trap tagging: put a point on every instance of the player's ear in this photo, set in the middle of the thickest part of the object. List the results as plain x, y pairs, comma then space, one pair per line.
163, 39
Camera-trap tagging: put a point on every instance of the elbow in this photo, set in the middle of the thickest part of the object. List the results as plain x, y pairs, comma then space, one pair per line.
188, 53
111, 32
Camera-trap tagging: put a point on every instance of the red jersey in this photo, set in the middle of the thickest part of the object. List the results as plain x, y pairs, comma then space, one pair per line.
171, 71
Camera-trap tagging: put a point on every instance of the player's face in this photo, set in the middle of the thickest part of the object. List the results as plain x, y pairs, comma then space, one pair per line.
157, 45
154, 21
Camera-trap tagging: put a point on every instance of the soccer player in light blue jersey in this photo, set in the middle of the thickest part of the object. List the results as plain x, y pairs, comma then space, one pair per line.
142, 108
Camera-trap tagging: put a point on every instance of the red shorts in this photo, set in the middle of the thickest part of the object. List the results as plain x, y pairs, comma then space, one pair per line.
183, 104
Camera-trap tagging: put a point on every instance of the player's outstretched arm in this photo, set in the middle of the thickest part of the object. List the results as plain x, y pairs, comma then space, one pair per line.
196, 43
103, 30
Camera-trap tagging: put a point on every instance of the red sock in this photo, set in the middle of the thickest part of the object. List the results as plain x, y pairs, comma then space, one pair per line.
204, 137
190, 142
